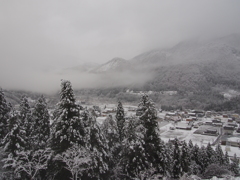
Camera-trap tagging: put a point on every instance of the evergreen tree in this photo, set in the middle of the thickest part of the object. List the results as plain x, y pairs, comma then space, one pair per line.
85, 118
109, 128
211, 155
168, 157
41, 124
195, 153
176, 169
134, 158
85, 123
203, 159
15, 140
26, 122
24, 108
120, 121
226, 159
4, 115
185, 157
190, 145
13, 119
66, 125
234, 166
219, 155
99, 148
152, 143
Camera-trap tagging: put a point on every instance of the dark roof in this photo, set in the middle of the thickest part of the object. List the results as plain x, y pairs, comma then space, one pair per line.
228, 128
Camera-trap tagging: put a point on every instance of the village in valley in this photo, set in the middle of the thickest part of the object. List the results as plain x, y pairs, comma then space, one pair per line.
199, 126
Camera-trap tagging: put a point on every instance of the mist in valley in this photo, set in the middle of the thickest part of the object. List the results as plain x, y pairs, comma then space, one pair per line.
39, 40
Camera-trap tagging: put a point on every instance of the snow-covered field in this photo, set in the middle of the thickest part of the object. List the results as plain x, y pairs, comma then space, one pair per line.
166, 134
201, 140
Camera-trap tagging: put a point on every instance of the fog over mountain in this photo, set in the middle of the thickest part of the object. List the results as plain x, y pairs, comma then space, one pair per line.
191, 65
46, 41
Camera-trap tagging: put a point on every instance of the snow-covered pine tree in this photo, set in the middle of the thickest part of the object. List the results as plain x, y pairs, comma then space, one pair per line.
152, 143
185, 157
195, 167
24, 108
25, 117
190, 145
176, 167
13, 119
120, 121
85, 123
168, 157
99, 148
109, 129
234, 166
210, 154
219, 155
66, 123
4, 115
226, 159
195, 154
15, 140
134, 159
85, 117
41, 125
203, 159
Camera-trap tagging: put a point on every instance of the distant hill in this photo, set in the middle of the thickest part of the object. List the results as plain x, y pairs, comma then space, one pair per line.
200, 70
192, 65
116, 64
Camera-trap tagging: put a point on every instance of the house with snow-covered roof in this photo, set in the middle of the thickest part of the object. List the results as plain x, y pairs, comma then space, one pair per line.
228, 130
231, 140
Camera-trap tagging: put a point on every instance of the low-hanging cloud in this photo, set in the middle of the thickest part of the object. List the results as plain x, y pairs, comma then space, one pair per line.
39, 37
49, 82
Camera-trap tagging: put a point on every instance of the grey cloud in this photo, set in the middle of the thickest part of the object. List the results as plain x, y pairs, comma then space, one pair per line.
48, 35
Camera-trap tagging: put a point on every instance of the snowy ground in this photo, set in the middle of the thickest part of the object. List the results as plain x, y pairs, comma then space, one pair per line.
231, 150
166, 134
200, 140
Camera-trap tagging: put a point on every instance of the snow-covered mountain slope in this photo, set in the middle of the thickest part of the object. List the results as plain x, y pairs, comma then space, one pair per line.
116, 64
194, 65
192, 51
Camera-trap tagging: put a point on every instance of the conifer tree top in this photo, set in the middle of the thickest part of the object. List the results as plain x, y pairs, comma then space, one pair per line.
120, 111
146, 108
3, 102
66, 94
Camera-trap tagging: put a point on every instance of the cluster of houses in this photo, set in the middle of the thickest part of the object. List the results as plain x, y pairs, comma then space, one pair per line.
226, 126
183, 120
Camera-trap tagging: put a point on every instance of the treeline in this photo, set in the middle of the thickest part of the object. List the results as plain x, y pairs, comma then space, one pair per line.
75, 146
230, 105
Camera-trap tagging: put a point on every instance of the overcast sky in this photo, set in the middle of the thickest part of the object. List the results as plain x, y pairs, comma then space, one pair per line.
50, 34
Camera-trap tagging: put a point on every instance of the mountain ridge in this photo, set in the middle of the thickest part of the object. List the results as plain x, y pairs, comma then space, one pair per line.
115, 64
193, 65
